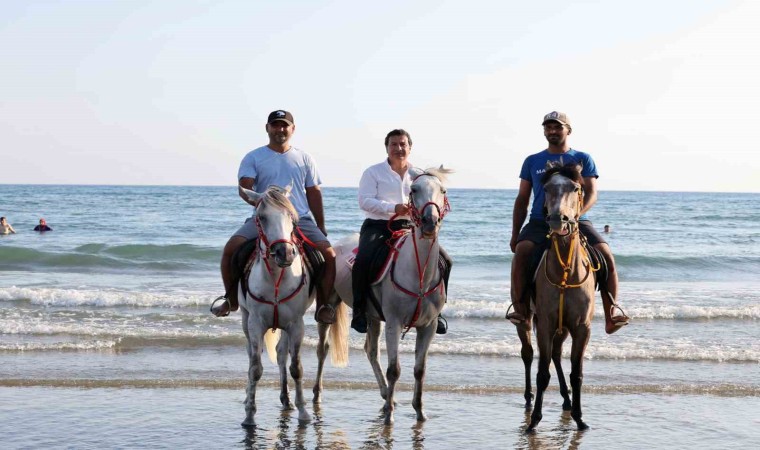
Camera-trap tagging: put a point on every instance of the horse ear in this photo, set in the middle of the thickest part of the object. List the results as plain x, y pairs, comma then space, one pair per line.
254, 196
415, 172
553, 164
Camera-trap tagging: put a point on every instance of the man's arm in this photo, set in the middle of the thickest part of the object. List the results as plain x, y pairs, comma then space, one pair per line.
589, 194
314, 199
246, 183
520, 212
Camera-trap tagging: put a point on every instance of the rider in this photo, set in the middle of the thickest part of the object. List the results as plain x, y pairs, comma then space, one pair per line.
280, 164
383, 194
534, 233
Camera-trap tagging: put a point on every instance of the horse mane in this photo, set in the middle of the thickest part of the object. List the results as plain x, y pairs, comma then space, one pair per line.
439, 172
571, 171
277, 197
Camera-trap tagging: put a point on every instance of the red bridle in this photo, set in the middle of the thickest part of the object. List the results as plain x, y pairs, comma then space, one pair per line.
416, 216
265, 254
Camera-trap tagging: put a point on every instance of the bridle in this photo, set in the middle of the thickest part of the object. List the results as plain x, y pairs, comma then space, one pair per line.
572, 222
416, 216
296, 239
567, 264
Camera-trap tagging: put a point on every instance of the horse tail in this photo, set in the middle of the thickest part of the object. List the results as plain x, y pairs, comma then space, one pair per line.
270, 342
338, 337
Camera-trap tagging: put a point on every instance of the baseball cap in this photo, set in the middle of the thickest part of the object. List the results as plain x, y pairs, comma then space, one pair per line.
556, 116
280, 115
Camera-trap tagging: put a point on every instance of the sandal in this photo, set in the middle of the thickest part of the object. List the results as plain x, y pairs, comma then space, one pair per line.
617, 322
223, 310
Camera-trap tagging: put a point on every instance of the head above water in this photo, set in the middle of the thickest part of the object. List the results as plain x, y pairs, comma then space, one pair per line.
42, 222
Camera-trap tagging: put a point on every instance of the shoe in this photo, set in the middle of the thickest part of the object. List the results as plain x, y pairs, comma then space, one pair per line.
222, 309
359, 323
443, 325
325, 314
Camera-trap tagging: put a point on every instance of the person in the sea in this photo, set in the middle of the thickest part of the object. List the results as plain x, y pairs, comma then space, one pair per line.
383, 194
43, 226
523, 242
5, 227
280, 164
607, 229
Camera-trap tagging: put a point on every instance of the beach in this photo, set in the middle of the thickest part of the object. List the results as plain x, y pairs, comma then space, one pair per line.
106, 340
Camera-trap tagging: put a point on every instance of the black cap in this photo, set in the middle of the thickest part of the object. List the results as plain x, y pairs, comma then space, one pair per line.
282, 115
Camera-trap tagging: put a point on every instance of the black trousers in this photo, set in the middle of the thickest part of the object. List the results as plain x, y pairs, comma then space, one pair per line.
372, 253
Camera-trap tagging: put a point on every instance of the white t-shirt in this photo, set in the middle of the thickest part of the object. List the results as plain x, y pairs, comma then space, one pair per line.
294, 168
381, 189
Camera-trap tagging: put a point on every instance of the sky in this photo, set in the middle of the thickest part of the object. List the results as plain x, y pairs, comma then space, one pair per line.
662, 94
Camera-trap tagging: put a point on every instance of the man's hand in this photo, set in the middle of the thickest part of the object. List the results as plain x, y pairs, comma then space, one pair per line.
513, 243
402, 210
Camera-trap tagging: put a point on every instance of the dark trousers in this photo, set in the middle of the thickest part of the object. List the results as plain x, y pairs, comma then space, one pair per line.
372, 253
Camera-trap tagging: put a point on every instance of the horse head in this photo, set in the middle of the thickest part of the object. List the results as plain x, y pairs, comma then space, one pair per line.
564, 196
276, 220
428, 203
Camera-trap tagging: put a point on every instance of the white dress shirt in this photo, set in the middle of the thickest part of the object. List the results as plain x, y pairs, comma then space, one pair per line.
381, 189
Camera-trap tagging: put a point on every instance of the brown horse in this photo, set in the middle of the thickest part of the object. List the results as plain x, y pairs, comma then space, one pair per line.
564, 297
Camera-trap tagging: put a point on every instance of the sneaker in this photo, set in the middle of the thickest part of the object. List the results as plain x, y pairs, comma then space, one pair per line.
443, 325
359, 323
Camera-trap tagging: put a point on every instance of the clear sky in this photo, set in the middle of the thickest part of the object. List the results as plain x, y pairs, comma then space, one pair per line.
663, 94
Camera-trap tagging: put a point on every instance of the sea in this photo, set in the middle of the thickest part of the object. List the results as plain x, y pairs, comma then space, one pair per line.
106, 340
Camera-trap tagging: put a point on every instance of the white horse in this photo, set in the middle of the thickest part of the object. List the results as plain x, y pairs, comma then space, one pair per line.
411, 295
274, 295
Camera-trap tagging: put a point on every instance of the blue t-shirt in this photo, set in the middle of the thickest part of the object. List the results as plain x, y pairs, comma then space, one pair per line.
534, 168
294, 168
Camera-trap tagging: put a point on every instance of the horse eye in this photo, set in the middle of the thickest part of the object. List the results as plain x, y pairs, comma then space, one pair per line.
414, 188
443, 191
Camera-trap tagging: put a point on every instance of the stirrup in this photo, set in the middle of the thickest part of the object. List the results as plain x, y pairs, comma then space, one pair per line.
330, 320
623, 317
226, 300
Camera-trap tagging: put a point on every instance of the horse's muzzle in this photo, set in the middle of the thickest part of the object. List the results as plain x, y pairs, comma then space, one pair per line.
560, 223
283, 253
429, 225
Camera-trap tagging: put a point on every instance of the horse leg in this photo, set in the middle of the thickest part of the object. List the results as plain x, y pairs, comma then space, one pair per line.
282, 361
322, 349
524, 332
544, 340
557, 359
580, 341
392, 338
253, 334
296, 368
372, 349
424, 338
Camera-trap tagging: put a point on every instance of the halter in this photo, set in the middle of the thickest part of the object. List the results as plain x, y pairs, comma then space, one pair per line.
416, 216
267, 253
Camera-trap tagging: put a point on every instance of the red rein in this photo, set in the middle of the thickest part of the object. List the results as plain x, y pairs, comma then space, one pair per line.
298, 243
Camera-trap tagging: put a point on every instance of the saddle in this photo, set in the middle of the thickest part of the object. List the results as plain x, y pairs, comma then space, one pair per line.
245, 256
595, 257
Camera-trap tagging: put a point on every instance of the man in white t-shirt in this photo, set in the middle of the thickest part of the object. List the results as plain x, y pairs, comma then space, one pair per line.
280, 164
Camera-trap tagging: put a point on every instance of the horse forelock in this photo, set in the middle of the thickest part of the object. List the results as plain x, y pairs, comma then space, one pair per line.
439, 172
570, 171
275, 197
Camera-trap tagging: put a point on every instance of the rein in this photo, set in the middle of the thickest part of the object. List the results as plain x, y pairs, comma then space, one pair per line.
265, 254
568, 267
416, 216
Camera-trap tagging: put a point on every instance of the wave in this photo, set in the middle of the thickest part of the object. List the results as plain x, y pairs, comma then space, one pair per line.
459, 309
104, 257
235, 383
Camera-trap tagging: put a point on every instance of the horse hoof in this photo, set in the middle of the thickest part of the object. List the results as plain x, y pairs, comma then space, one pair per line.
248, 423
528, 406
304, 417
582, 425
567, 406
530, 430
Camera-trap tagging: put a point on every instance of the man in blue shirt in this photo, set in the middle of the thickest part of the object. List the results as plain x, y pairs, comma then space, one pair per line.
523, 242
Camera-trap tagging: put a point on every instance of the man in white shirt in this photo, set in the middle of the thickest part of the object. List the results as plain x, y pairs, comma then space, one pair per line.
383, 195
